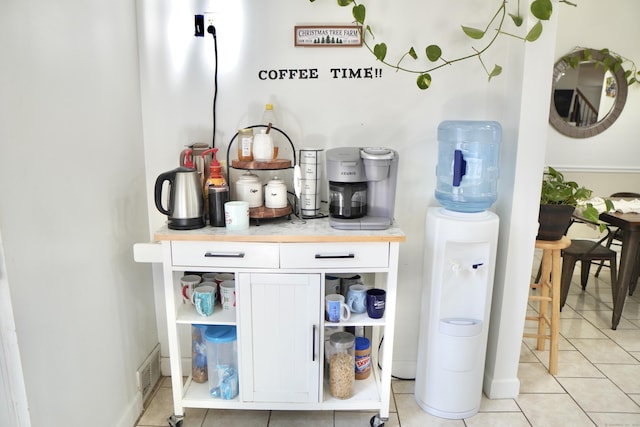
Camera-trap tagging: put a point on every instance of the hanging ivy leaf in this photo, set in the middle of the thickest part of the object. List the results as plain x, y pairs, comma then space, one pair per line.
433, 52
474, 33
534, 33
343, 2
412, 53
380, 51
517, 19
424, 81
359, 13
542, 9
497, 70
369, 31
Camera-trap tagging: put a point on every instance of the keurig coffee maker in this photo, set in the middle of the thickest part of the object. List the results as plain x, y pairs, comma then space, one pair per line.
362, 187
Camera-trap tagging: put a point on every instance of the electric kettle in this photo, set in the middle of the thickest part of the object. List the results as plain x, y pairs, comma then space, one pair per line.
185, 209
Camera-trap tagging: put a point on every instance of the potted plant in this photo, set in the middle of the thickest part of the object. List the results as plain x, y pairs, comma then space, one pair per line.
558, 200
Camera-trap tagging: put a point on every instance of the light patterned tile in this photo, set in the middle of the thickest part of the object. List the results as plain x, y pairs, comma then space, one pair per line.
598, 395
583, 301
497, 419
629, 339
545, 410
602, 351
610, 420
235, 418
498, 405
574, 364
161, 408
602, 320
624, 376
355, 418
403, 386
631, 310
534, 378
300, 419
411, 415
579, 328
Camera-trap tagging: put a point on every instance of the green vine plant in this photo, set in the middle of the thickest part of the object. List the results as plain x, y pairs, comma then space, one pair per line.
540, 9
612, 62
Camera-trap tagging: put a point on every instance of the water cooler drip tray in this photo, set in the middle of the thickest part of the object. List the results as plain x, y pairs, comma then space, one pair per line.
460, 327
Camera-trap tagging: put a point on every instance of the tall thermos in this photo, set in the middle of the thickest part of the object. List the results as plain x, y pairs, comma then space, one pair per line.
216, 191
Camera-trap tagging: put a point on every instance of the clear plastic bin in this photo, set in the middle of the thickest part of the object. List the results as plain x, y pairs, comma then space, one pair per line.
222, 361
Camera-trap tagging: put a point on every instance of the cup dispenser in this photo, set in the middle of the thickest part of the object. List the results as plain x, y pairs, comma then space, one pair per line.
460, 254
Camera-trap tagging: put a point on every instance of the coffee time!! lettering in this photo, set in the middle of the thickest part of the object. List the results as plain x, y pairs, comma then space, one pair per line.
312, 73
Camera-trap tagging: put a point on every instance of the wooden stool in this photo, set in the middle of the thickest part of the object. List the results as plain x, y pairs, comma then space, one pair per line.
549, 287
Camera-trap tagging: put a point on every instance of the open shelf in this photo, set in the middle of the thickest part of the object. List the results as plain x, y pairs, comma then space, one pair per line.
187, 314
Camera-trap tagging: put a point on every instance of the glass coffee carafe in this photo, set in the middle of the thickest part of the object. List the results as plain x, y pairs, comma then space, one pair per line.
347, 200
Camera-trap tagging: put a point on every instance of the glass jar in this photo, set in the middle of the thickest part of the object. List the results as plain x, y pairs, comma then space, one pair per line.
198, 354
363, 358
341, 364
245, 145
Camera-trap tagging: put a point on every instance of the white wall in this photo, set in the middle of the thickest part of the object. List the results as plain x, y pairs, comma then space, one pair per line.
72, 189
597, 25
177, 75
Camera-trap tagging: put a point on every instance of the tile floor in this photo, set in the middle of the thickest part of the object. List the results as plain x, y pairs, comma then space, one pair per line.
598, 381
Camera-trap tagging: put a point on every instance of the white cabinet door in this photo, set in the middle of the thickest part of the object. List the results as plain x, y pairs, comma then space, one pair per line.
279, 333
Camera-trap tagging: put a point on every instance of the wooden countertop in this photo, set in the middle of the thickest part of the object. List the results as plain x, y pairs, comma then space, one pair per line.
283, 231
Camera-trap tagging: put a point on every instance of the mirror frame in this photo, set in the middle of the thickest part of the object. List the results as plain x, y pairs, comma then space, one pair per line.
587, 131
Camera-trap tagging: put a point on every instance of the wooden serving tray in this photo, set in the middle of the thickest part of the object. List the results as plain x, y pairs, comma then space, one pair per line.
263, 212
271, 164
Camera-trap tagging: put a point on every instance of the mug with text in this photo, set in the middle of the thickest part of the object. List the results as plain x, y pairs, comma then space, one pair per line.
336, 309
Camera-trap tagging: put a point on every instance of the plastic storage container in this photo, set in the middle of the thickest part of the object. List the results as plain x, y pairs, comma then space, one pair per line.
222, 361
467, 170
198, 354
341, 364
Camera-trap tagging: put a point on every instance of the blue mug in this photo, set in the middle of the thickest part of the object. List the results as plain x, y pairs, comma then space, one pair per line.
203, 299
376, 301
357, 298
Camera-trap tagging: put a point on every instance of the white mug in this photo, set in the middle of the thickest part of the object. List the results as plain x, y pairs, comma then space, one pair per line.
228, 294
236, 215
336, 309
189, 282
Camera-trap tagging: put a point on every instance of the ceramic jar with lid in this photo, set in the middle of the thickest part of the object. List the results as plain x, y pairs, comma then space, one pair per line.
275, 193
249, 189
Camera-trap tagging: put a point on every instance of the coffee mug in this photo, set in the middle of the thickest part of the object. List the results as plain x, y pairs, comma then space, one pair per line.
236, 215
346, 282
331, 285
357, 298
228, 294
203, 299
376, 300
221, 277
188, 283
336, 309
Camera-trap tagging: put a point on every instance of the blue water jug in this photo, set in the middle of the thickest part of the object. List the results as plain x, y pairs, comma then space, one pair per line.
467, 170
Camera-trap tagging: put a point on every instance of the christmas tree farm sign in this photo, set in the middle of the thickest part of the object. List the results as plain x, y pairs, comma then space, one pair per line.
328, 35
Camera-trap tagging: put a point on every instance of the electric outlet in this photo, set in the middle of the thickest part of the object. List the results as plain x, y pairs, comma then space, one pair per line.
210, 19
198, 22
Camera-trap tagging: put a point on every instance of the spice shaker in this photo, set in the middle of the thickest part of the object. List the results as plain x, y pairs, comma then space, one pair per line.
341, 364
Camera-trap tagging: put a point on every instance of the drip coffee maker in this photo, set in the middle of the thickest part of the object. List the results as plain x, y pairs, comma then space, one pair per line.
362, 187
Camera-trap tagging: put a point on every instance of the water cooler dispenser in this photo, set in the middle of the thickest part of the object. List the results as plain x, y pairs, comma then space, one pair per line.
460, 254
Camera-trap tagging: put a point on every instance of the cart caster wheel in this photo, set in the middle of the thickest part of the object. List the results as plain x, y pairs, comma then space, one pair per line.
175, 421
376, 421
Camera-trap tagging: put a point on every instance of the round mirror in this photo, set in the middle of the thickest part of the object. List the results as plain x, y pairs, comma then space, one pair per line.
586, 99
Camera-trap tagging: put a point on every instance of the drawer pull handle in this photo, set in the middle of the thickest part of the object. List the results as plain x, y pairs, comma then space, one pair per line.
224, 254
334, 256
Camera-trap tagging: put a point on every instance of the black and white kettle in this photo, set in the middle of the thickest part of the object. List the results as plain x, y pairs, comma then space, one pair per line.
185, 208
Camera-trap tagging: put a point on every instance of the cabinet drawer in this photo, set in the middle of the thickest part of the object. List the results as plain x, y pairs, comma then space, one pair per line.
334, 255
225, 254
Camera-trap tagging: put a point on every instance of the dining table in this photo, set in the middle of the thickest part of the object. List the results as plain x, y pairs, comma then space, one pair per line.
629, 225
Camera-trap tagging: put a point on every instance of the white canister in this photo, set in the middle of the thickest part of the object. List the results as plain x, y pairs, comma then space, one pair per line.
275, 194
249, 189
262, 146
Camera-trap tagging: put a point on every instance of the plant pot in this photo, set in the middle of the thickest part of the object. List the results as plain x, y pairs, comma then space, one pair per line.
554, 221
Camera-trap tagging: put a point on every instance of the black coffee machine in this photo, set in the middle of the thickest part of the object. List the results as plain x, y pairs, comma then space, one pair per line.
362, 187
